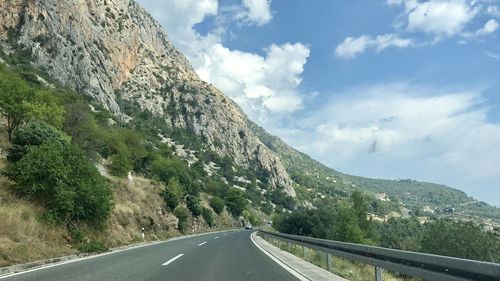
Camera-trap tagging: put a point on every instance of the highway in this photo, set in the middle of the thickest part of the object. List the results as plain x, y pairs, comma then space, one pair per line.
227, 256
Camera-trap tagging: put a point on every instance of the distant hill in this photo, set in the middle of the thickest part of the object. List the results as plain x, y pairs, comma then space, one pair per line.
413, 194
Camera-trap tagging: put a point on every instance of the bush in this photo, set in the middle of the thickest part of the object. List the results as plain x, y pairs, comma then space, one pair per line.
461, 239
217, 204
34, 134
94, 246
182, 214
120, 165
208, 216
65, 182
193, 204
172, 194
235, 202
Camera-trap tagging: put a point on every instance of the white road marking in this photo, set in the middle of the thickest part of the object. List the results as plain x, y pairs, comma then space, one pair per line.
216, 237
43, 267
201, 244
172, 259
280, 263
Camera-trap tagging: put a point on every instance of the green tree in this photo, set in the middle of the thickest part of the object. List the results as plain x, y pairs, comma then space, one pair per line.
65, 182
44, 106
217, 204
120, 165
360, 209
235, 202
34, 134
461, 239
193, 204
172, 194
208, 216
14, 93
346, 227
183, 215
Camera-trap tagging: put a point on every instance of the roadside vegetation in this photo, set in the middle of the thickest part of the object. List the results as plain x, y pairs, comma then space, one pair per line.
348, 222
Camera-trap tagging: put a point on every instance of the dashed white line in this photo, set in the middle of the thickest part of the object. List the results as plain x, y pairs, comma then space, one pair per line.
172, 259
216, 237
201, 244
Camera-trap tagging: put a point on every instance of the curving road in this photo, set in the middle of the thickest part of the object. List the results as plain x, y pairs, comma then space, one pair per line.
227, 256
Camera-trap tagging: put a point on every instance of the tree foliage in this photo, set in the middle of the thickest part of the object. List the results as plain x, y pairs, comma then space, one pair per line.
208, 216
235, 202
172, 194
217, 204
60, 177
183, 215
34, 134
193, 204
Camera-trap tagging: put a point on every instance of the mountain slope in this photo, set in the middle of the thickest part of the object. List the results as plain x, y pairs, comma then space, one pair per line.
115, 53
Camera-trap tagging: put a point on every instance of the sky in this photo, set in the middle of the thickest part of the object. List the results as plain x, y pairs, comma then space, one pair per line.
378, 88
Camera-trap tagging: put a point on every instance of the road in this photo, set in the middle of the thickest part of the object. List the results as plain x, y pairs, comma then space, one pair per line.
228, 256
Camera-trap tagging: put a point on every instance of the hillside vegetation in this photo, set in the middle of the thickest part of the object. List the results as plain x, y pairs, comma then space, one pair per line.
66, 185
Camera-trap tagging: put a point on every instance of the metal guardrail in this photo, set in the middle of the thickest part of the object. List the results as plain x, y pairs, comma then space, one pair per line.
425, 266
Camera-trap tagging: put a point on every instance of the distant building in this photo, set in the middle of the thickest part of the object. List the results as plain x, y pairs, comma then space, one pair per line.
428, 209
382, 196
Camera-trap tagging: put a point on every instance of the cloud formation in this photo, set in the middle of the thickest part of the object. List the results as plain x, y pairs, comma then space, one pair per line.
352, 47
256, 11
435, 19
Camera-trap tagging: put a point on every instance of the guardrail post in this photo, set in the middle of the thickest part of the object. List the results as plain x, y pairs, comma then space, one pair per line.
329, 261
378, 274
304, 251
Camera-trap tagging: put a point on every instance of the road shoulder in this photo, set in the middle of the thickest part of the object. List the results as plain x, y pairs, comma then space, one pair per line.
301, 269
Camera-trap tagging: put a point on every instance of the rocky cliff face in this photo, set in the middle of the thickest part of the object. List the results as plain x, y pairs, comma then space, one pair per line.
104, 47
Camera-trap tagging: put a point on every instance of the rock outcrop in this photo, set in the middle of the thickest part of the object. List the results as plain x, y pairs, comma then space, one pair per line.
104, 47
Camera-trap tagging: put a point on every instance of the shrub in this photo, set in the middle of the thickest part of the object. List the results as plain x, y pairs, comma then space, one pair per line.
193, 204
235, 202
94, 246
65, 182
182, 214
217, 204
172, 194
120, 165
34, 134
208, 216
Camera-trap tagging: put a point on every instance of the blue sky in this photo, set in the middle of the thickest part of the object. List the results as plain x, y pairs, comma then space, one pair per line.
378, 88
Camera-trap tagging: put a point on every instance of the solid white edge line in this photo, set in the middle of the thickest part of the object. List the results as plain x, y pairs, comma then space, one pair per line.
172, 259
9, 275
280, 263
201, 244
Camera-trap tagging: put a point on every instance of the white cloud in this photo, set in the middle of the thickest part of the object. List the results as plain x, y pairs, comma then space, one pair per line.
256, 11
263, 85
403, 130
490, 27
494, 11
440, 17
351, 47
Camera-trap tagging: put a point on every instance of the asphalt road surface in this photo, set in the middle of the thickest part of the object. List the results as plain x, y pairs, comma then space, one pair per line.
227, 256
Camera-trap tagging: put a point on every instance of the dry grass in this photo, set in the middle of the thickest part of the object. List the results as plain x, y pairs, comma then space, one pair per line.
23, 237
139, 204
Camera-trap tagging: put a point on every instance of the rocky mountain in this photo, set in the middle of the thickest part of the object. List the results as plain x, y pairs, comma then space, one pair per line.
114, 52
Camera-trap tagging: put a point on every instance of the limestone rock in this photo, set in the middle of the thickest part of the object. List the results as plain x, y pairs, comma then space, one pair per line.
104, 47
